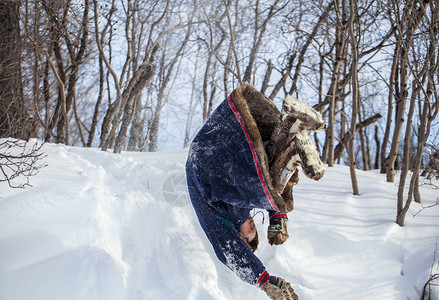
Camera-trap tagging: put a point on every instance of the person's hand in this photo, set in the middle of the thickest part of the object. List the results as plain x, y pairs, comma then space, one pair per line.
277, 288
277, 232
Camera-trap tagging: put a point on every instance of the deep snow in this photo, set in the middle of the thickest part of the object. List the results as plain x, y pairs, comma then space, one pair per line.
97, 225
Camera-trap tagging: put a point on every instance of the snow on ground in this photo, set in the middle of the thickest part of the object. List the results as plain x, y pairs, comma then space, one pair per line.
97, 225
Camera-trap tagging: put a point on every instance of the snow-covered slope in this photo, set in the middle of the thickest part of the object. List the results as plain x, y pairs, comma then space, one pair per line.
97, 225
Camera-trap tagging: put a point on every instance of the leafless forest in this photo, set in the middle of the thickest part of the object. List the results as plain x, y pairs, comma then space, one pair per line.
134, 74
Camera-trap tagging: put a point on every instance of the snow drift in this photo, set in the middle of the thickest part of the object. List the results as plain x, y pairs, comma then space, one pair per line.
97, 225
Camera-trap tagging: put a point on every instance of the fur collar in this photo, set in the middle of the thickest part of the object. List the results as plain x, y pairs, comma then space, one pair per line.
261, 117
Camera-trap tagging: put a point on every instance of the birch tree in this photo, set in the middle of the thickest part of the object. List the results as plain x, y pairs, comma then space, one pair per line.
166, 72
355, 92
407, 23
424, 94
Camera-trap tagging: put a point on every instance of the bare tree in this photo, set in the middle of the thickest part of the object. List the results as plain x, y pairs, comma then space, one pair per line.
260, 28
392, 85
432, 167
309, 40
406, 25
213, 39
139, 77
355, 92
334, 90
167, 68
425, 78
58, 31
19, 161
123, 87
14, 120
192, 102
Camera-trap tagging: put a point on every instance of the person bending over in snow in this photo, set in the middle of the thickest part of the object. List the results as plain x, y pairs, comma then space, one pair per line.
244, 157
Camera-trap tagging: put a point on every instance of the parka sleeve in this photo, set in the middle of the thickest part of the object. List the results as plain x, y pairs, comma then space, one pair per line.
230, 249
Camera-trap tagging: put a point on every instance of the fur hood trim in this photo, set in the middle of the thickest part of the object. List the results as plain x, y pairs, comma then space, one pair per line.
261, 117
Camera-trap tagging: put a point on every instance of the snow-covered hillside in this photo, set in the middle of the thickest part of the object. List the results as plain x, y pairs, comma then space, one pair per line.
97, 225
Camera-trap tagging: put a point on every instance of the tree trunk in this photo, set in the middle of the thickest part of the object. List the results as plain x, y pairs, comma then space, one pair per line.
115, 106
267, 76
426, 114
13, 116
155, 122
410, 23
207, 98
355, 95
94, 121
146, 73
425, 129
136, 130
76, 58
191, 110
392, 84
377, 155
364, 152
401, 210
334, 92
59, 119
46, 97
400, 113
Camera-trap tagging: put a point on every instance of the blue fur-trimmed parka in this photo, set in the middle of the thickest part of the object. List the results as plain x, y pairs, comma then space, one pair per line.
227, 177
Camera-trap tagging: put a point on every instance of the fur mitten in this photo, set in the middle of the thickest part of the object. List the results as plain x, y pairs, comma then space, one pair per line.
277, 288
277, 232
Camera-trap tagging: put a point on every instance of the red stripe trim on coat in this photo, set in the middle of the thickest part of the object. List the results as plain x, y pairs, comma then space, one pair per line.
279, 215
255, 157
262, 279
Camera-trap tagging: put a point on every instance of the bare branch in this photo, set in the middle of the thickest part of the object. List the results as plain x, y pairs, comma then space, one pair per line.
19, 160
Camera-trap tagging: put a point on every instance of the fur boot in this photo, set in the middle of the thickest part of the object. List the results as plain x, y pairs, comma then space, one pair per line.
291, 146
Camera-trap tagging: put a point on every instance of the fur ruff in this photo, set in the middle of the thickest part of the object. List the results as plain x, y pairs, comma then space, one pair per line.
281, 140
261, 117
